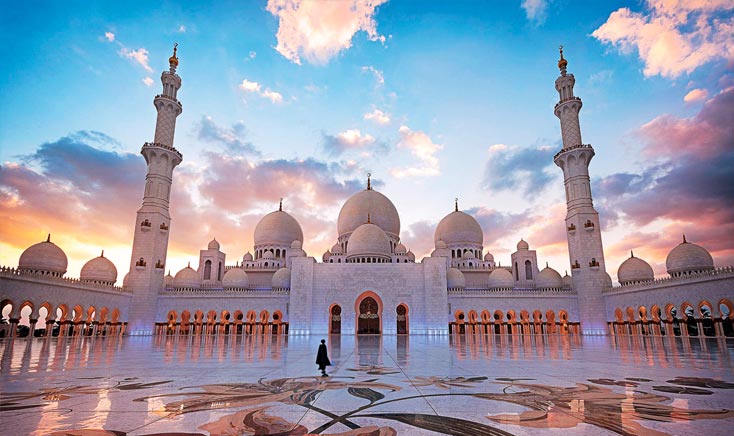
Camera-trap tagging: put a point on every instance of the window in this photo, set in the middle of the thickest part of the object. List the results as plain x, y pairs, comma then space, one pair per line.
208, 270
528, 270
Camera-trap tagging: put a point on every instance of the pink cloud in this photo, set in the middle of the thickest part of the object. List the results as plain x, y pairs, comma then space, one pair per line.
378, 116
139, 56
253, 87
672, 38
696, 95
318, 31
424, 149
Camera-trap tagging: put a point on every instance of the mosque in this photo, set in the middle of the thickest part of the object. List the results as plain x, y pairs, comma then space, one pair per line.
369, 282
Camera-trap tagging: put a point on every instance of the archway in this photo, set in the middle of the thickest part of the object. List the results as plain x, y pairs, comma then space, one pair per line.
725, 310
369, 311
691, 323
672, 314
707, 322
335, 319
402, 319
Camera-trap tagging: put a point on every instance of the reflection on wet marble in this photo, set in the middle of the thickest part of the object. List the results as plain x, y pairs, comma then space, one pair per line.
379, 385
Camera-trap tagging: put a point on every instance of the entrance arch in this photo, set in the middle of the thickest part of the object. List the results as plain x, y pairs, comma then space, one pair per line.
335, 320
368, 308
402, 319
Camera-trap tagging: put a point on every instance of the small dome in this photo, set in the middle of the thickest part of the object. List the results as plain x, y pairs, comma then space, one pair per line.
488, 257
400, 249
167, 280
326, 256
297, 244
277, 228
440, 245
44, 257
455, 278
468, 254
367, 240
687, 258
187, 278
459, 228
410, 255
567, 281
125, 280
235, 278
213, 244
247, 257
99, 269
548, 278
522, 245
634, 269
268, 254
607, 280
282, 279
501, 278
337, 249
381, 210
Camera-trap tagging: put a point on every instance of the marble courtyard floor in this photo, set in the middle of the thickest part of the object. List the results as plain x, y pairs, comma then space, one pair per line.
379, 385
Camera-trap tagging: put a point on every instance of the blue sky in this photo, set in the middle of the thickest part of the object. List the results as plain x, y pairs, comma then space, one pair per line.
436, 99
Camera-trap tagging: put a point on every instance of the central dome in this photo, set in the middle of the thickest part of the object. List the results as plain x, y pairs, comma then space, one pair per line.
368, 240
278, 228
380, 209
459, 228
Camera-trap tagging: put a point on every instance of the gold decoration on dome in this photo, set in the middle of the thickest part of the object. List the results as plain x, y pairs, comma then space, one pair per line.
562, 63
173, 60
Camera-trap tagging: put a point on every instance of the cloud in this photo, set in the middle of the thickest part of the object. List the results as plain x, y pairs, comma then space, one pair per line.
348, 140
210, 131
255, 88
696, 95
690, 187
252, 55
378, 116
110, 36
181, 29
379, 76
140, 56
535, 10
422, 147
318, 31
672, 38
148, 81
525, 168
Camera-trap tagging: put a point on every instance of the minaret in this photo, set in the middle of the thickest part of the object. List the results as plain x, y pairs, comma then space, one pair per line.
150, 243
582, 220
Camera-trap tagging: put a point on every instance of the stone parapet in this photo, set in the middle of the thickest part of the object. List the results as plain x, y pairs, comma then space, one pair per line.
716, 274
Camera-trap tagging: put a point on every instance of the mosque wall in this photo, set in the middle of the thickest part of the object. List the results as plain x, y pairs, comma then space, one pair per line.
220, 302
316, 287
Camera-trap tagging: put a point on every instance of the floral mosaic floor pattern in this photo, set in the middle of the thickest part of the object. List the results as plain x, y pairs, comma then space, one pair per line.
378, 386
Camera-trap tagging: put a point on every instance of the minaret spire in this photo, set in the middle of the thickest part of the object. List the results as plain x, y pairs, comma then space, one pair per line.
369, 186
456, 204
585, 250
152, 223
280, 207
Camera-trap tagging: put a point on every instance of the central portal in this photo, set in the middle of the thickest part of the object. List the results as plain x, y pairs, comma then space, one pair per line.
369, 317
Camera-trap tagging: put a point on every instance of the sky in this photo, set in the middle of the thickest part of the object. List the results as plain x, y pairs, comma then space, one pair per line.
301, 99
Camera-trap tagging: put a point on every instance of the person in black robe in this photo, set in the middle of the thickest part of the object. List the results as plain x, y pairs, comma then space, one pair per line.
322, 358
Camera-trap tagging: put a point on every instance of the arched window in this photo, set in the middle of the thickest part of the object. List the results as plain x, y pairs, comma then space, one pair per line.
208, 270
528, 270
219, 272
517, 274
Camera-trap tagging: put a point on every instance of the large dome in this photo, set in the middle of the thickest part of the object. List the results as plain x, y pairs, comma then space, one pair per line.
687, 257
44, 257
459, 228
380, 209
548, 278
368, 240
501, 278
278, 228
99, 269
186, 278
455, 278
634, 269
235, 278
282, 279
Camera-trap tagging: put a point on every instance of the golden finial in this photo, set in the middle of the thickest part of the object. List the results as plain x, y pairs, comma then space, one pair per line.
456, 204
369, 185
189, 265
280, 208
632, 254
684, 239
562, 63
102, 255
173, 60
48, 239
368, 218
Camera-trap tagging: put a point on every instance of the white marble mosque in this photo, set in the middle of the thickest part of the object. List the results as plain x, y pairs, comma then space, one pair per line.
368, 282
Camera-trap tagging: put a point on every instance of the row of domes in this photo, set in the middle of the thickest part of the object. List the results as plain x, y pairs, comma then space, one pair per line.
47, 258
233, 278
502, 278
686, 258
